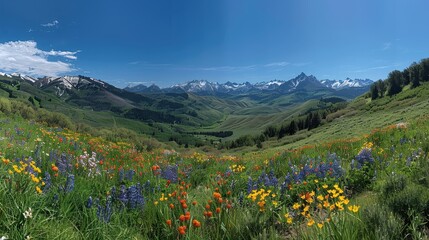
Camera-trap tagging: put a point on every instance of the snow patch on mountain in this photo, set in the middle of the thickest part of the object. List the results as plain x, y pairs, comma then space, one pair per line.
347, 83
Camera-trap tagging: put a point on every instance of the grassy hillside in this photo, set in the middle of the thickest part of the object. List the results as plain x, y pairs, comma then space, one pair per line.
57, 183
361, 116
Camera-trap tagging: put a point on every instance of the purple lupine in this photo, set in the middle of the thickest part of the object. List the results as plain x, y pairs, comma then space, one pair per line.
267, 180
69, 183
364, 157
108, 211
337, 170
130, 175
122, 195
63, 163
135, 196
170, 172
131, 196
105, 213
48, 182
140, 201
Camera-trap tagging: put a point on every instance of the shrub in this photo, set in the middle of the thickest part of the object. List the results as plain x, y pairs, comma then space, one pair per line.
358, 180
411, 198
395, 183
380, 223
5, 106
54, 119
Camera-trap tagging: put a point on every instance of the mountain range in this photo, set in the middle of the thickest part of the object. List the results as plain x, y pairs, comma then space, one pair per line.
301, 82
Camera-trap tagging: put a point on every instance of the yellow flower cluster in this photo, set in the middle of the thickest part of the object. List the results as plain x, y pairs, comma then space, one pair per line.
163, 198
199, 157
320, 206
21, 168
237, 168
368, 145
228, 158
262, 197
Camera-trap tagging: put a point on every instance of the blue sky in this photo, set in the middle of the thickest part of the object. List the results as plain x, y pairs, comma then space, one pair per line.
167, 42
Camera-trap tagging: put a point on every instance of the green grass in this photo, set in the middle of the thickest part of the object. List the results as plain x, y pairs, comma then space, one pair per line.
361, 117
63, 214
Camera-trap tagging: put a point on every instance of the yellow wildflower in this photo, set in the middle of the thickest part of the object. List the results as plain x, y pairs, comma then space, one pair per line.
354, 208
296, 206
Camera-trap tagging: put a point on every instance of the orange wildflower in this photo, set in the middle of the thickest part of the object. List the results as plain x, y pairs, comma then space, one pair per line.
196, 223
54, 168
217, 195
182, 230
187, 216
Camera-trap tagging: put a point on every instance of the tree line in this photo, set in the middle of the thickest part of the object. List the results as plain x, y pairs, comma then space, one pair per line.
310, 120
396, 80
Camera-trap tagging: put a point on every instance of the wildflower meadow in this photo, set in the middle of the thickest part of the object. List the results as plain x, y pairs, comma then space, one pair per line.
59, 184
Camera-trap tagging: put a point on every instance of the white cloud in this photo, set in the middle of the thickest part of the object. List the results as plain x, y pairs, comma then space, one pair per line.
277, 64
24, 57
51, 24
66, 54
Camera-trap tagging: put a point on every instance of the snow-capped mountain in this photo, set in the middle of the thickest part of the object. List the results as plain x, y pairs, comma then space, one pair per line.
271, 85
5, 74
300, 82
197, 86
206, 87
68, 82
20, 76
236, 87
347, 83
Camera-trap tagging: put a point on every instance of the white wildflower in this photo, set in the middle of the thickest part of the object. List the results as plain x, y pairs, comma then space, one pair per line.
28, 213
